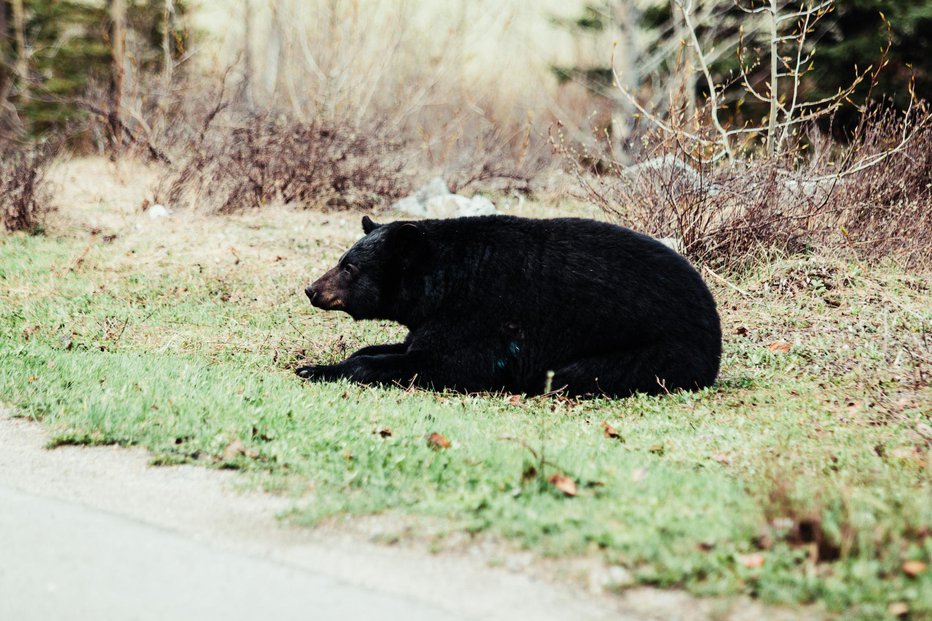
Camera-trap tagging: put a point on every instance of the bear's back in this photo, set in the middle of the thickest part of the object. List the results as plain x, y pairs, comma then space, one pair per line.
573, 278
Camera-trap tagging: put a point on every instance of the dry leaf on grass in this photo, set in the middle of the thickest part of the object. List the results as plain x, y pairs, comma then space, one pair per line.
913, 568
779, 346
751, 561
564, 484
233, 449
610, 432
385, 432
639, 474
438, 441
898, 609
924, 430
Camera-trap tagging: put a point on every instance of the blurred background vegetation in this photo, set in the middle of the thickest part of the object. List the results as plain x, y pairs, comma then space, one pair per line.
817, 106
548, 60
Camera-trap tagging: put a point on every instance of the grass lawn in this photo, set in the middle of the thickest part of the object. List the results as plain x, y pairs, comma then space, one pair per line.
804, 475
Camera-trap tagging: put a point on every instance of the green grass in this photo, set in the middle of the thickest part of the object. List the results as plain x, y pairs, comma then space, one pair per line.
813, 458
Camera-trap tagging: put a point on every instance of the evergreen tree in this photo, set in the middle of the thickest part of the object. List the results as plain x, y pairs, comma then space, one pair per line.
852, 35
856, 34
69, 54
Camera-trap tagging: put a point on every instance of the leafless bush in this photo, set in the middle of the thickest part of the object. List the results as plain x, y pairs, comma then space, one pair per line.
236, 159
727, 192
482, 155
886, 209
871, 196
23, 193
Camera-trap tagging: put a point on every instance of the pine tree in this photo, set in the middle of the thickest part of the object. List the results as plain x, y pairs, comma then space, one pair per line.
69, 54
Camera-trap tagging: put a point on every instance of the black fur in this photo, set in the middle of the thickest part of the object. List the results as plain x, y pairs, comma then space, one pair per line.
493, 303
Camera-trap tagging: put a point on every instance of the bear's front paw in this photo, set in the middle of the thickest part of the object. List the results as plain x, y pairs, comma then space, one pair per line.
308, 372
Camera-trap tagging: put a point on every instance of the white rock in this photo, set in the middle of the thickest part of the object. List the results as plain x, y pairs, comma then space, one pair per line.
455, 206
434, 200
613, 577
411, 205
435, 187
157, 211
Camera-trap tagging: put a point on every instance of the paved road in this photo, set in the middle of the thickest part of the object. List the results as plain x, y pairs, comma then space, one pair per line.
61, 561
93, 534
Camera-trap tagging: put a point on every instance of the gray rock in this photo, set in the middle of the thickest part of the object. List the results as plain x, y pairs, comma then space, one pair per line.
411, 205
434, 200
455, 206
435, 187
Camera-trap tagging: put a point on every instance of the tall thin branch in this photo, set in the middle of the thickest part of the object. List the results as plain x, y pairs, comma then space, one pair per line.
686, 8
774, 77
168, 62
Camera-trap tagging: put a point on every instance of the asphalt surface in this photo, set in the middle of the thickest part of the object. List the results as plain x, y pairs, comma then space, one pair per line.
94, 534
62, 560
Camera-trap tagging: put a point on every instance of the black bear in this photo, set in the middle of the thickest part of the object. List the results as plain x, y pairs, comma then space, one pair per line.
494, 303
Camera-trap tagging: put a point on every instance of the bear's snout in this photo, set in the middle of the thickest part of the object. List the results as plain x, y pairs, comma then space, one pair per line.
325, 293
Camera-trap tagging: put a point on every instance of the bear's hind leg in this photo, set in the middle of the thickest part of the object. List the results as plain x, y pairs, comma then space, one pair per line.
381, 350
652, 370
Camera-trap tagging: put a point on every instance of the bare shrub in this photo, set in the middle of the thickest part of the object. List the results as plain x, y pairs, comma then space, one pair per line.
239, 159
871, 196
725, 192
886, 209
477, 154
23, 193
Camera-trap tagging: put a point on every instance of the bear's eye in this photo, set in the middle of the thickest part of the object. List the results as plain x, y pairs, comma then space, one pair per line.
350, 270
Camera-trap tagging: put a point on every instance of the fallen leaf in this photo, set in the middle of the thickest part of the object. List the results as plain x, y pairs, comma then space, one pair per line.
385, 432
924, 430
564, 484
779, 346
514, 400
722, 458
898, 609
751, 561
610, 432
438, 441
913, 568
233, 449
638, 474
741, 331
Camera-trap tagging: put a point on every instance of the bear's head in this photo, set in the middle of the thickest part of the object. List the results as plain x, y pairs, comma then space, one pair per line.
366, 281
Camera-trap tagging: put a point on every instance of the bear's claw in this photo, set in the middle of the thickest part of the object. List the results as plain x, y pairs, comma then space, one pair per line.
308, 372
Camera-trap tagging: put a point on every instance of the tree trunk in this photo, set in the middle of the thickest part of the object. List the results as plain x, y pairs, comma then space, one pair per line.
168, 61
247, 52
21, 67
118, 54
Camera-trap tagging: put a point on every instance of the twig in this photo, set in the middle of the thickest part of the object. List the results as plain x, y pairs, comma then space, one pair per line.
724, 280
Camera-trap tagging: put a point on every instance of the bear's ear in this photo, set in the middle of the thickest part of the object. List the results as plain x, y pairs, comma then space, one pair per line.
368, 225
408, 235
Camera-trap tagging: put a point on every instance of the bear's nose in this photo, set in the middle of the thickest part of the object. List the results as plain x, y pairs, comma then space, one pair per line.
311, 292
